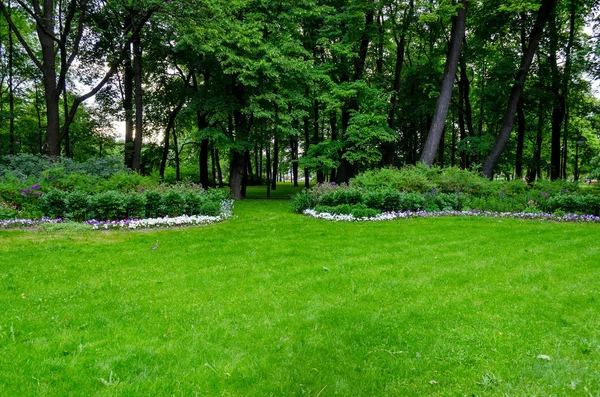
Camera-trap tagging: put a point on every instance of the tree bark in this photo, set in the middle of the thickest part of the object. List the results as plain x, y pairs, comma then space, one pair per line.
535, 166
520, 140
509, 116
566, 84
558, 110
305, 154
137, 73
275, 163
128, 108
236, 174
443, 102
294, 156
165, 153
11, 94
218, 163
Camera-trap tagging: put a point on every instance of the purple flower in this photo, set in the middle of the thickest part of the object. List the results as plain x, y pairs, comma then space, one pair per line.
35, 187
25, 192
333, 183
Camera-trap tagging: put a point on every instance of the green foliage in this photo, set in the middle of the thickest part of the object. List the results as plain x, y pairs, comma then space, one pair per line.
569, 203
173, 203
110, 205
135, 205
154, 207
303, 201
210, 208
53, 204
77, 204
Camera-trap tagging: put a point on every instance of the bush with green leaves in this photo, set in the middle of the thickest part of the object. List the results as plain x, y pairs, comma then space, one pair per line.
418, 188
135, 206
109, 205
77, 203
53, 204
173, 203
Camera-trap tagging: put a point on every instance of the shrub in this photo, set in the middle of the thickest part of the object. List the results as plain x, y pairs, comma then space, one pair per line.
302, 201
365, 212
412, 202
173, 203
193, 202
135, 205
154, 206
109, 205
53, 204
211, 208
77, 203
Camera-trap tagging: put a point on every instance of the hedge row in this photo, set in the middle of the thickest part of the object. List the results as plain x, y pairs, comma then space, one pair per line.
112, 205
386, 199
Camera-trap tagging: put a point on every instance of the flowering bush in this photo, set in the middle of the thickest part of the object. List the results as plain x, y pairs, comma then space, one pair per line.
388, 216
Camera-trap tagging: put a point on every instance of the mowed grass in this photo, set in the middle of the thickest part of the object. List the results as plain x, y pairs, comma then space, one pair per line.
273, 303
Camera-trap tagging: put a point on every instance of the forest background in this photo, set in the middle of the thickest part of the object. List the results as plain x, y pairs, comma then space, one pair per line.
249, 92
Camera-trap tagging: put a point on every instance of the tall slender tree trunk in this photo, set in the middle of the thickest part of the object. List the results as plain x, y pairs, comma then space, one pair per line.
566, 84
128, 108
219, 172
165, 152
509, 116
137, 72
317, 137
443, 101
275, 163
558, 110
213, 164
520, 140
294, 156
305, 154
453, 149
177, 162
535, 166
334, 137
269, 173
11, 94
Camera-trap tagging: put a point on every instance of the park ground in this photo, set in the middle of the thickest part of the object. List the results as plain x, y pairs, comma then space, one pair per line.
275, 303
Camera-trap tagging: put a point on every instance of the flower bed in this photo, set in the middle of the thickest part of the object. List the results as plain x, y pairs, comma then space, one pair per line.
20, 223
388, 216
133, 224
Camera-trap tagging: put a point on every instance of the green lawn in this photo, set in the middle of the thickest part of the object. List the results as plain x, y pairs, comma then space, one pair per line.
273, 303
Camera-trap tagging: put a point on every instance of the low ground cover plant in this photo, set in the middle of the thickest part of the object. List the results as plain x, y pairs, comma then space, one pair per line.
422, 189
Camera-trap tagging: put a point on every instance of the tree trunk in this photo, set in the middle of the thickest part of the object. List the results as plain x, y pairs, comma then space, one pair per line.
566, 84
137, 72
558, 110
245, 173
275, 163
443, 102
213, 163
453, 150
305, 154
294, 156
11, 94
218, 163
236, 174
520, 140
269, 173
256, 165
441, 149
128, 107
509, 116
535, 166
316, 137
334, 137
177, 163
165, 153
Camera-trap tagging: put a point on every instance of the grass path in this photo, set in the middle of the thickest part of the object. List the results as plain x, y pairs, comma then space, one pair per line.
272, 303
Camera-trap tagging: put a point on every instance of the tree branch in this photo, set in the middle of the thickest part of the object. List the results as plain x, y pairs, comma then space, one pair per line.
28, 50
